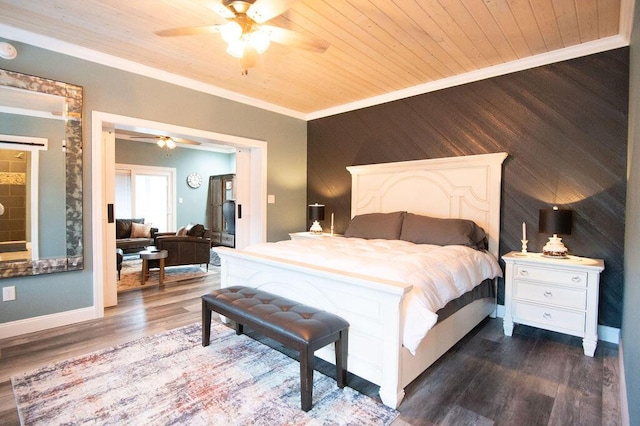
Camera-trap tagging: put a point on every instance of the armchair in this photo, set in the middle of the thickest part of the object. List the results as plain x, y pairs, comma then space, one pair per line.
194, 247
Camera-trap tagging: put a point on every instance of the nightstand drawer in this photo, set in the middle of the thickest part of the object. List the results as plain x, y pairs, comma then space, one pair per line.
558, 296
552, 318
558, 276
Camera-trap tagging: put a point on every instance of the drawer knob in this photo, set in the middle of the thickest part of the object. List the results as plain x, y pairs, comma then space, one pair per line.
575, 279
546, 315
548, 294
524, 272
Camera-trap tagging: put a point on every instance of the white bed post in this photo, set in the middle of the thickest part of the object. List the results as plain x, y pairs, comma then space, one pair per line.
391, 390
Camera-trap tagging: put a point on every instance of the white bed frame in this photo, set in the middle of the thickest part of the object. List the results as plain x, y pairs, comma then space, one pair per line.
458, 187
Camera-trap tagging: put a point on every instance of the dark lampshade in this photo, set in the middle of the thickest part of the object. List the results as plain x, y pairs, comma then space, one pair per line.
316, 212
555, 221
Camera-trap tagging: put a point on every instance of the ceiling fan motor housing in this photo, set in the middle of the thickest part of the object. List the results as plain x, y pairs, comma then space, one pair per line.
238, 6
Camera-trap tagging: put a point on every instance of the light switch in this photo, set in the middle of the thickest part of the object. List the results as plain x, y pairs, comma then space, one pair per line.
271, 199
180, 200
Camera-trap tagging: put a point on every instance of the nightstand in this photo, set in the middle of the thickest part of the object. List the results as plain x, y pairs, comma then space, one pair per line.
555, 294
304, 235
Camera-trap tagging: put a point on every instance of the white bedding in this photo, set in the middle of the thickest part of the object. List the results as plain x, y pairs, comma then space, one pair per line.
438, 274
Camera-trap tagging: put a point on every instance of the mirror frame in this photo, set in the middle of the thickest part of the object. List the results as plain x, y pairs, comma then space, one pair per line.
72, 145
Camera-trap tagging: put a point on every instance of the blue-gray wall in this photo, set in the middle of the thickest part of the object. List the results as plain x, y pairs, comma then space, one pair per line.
118, 92
630, 311
185, 161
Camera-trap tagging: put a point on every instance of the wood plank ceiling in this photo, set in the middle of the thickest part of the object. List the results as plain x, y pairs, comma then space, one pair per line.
376, 46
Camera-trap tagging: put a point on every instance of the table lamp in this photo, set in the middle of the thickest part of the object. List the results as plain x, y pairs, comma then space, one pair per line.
316, 214
555, 221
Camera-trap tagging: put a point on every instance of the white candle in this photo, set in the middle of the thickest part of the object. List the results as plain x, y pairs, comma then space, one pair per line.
524, 231
331, 220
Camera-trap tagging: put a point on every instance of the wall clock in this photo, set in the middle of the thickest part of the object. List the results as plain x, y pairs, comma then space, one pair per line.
194, 180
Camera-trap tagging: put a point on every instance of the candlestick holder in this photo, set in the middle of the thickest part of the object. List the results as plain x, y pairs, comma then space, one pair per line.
524, 246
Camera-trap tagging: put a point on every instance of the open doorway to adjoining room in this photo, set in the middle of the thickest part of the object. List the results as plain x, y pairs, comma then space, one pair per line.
250, 157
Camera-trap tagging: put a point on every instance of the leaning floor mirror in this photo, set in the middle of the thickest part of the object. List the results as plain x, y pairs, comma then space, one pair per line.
40, 175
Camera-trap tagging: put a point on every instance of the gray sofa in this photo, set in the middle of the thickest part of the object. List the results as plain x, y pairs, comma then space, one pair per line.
136, 243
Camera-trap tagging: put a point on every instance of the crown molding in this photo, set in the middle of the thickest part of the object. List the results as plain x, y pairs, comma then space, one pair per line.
54, 45
560, 55
584, 49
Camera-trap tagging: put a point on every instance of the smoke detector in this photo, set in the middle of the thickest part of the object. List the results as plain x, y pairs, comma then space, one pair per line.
7, 51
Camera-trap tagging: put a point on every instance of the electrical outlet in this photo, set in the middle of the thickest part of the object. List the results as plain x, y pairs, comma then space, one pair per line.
8, 293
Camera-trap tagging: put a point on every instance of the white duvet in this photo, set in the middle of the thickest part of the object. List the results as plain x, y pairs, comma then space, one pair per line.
438, 274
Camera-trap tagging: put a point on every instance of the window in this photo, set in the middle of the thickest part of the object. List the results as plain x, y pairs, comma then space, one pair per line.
146, 192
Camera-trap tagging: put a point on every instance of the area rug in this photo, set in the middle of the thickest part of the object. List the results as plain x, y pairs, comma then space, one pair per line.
130, 275
170, 378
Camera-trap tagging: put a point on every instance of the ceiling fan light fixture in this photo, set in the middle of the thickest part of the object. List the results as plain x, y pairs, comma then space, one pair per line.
236, 48
231, 32
166, 141
259, 40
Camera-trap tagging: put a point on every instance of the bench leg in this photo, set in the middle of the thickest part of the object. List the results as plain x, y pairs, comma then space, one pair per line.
206, 324
306, 379
341, 358
239, 328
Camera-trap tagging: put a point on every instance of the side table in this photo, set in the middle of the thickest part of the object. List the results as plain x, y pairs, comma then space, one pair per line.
558, 294
146, 256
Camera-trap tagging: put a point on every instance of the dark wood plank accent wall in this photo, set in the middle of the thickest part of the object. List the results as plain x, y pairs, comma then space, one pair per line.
564, 126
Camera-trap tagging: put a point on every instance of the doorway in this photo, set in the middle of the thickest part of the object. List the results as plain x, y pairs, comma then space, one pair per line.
251, 158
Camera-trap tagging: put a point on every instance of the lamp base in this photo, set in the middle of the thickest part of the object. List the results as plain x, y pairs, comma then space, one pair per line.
555, 247
316, 228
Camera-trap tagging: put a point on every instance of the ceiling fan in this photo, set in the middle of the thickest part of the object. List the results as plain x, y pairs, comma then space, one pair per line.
243, 28
161, 140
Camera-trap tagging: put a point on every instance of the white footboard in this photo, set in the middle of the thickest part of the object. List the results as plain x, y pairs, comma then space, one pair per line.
372, 307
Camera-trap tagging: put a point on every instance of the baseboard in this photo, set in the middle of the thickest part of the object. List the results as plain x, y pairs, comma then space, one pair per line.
624, 403
44, 322
609, 334
605, 333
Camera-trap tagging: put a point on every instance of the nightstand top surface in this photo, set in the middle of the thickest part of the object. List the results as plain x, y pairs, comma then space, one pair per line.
569, 261
311, 234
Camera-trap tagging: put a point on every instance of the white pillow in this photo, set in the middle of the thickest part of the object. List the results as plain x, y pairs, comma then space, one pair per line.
140, 230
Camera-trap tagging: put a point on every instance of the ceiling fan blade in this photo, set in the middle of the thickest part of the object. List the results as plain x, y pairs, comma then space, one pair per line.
185, 141
221, 9
294, 39
205, 29
264, 10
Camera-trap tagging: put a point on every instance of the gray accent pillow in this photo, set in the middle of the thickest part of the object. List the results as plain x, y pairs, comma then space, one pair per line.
420, 229
385, 226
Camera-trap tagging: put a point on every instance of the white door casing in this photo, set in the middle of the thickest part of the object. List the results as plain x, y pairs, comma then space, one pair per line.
253, 189
251, 168
109, 274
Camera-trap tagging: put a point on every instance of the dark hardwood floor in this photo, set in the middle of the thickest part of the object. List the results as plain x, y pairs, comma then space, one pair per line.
533, 378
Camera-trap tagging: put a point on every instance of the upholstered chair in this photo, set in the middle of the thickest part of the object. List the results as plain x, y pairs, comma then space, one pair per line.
191, 245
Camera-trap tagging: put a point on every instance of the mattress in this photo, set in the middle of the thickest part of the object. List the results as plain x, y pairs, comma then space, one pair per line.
438, 274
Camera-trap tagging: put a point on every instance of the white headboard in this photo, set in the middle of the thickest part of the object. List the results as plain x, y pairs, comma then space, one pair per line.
457, 187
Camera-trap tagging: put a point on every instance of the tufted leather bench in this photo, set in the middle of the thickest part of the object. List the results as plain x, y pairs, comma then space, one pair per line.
291, 323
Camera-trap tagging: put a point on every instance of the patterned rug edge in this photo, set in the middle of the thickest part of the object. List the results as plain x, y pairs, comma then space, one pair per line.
224, 344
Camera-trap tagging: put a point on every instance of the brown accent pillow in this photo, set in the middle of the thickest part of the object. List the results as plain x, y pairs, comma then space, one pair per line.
385, 226
195, 230
140, 230
420, 229
181, 232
